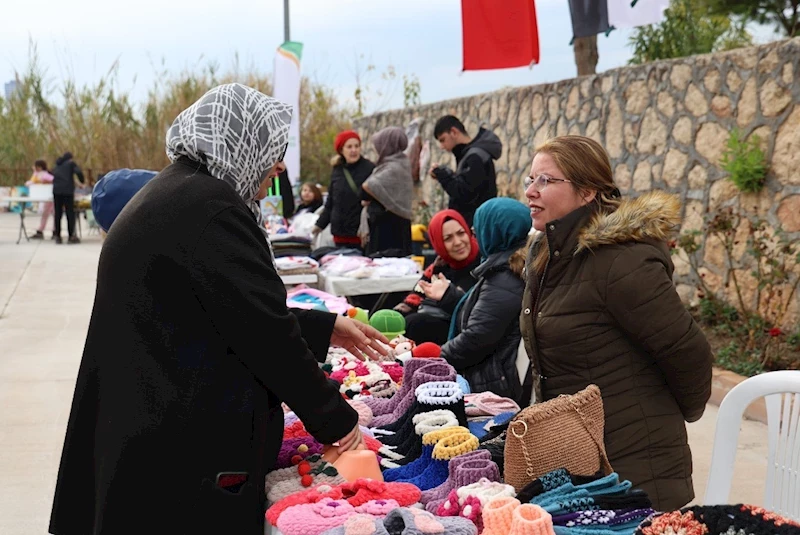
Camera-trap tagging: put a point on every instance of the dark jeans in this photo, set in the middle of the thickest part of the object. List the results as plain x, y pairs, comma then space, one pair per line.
64, 203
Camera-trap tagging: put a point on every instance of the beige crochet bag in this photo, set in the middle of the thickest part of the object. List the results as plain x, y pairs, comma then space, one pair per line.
565, 432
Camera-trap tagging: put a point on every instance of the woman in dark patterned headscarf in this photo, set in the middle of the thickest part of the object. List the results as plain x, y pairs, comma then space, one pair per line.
388, 196
177, 416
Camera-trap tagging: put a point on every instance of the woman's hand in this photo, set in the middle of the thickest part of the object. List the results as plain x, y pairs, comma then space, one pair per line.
436, 288
351, 441
358, 338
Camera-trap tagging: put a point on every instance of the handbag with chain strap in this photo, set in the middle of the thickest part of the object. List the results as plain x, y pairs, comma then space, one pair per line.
564, 432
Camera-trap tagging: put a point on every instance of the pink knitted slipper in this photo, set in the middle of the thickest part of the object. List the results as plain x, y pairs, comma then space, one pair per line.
314, 518
312, 495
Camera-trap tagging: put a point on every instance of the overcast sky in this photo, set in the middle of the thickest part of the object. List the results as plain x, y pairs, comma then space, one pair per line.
84, 38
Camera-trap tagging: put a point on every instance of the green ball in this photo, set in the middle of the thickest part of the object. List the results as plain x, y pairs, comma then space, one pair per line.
389, 322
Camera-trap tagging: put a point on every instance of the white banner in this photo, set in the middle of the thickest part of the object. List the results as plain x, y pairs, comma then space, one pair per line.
287, 89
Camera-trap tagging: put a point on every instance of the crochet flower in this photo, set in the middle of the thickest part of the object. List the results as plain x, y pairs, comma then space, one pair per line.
675, 523
377, 507
330, 508
471, 510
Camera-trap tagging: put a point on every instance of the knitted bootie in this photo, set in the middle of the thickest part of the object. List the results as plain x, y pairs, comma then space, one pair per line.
433, 371
529, 519
467, 473
411, 448
469, 508
447, 448
311, 471
405, 521
498, 515
315, 518
429, 440
441, 492
384, 406
436, 395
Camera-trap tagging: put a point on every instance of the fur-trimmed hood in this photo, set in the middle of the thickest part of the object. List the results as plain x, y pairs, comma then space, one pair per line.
653, 216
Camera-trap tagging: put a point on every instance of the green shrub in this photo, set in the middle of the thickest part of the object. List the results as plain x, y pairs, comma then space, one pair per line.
745, 161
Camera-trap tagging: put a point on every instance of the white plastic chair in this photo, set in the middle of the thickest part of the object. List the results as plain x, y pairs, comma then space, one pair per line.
781, 391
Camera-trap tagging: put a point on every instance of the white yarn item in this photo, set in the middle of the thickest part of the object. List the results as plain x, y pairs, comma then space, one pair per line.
439, 393
485, 490
433, 420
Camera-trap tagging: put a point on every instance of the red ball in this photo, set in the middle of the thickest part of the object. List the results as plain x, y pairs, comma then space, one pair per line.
306, 480
303, 469
296, 459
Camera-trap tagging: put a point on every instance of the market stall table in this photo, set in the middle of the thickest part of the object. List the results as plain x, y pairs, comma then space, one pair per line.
33, 200
348, 286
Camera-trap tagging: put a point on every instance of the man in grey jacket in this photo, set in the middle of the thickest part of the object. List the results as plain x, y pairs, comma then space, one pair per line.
64, 194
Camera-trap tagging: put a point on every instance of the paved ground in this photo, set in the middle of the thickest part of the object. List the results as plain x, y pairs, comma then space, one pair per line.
46, 294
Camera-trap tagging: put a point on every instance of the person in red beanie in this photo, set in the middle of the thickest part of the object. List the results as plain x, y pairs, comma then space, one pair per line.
343, 206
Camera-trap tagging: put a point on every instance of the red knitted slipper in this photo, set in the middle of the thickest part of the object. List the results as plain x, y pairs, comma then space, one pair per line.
312, 495
361, 491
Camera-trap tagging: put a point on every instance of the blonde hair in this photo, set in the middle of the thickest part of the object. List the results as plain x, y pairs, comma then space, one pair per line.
585, 163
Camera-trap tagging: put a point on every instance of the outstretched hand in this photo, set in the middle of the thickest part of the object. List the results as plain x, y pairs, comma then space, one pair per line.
358, 338
436, 288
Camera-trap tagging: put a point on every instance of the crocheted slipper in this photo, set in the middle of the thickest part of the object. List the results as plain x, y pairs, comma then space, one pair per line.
419, 465
529, 519
436, 472
466, 473
384, 406
311, 471
315, 518
406, 521
434, 395
498, 515
312, 495
485, 490
356, 493
361, 491
402, 449
432, 371
441, 492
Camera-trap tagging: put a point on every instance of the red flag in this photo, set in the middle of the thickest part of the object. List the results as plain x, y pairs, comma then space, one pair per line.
499, 34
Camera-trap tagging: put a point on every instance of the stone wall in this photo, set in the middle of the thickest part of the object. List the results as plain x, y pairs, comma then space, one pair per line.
665, 126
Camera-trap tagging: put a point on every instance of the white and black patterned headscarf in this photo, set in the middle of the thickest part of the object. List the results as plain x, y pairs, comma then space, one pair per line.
238, 132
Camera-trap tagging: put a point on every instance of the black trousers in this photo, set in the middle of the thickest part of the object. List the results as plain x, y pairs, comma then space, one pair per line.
64, 203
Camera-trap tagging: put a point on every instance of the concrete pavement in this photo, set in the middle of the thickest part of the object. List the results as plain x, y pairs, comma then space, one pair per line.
46, 295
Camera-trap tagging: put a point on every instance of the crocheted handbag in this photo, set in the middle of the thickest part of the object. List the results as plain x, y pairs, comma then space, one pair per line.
564, 432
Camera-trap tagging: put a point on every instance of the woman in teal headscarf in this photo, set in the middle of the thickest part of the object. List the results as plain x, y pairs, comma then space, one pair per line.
484, 332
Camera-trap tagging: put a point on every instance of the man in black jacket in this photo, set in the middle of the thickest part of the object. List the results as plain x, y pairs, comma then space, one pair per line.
64, 194
474, 180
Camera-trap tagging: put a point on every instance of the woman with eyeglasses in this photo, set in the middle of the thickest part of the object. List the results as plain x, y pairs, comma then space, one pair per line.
430, 305
600, 308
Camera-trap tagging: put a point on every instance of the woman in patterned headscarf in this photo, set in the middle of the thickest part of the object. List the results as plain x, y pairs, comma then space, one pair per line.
177, 415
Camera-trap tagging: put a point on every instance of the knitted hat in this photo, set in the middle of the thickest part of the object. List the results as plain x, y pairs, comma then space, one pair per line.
341, 139
489, 404
114, 190
311, 471
389, 322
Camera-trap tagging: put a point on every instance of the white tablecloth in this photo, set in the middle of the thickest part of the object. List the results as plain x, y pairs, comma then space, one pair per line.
345, 286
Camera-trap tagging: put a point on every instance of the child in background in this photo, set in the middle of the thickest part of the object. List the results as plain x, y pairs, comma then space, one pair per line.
310, 198
42, 176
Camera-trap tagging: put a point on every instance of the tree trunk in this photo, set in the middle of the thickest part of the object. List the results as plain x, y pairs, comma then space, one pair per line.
586, 54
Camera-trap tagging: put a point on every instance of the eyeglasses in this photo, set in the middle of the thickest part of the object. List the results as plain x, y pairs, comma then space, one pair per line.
541, 181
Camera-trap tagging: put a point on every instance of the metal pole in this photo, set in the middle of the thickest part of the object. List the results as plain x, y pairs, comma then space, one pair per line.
286, 21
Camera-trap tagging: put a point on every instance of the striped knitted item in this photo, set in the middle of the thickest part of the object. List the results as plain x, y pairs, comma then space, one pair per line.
411, 446
429, 441
436, 395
